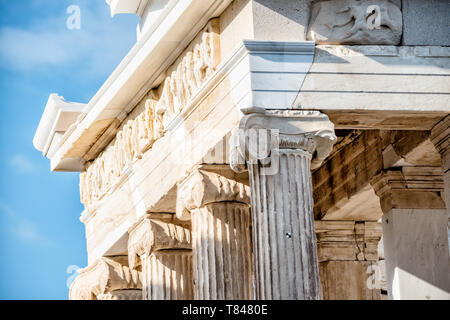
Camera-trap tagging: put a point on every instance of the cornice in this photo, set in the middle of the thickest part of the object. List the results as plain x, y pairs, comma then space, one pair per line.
127, 6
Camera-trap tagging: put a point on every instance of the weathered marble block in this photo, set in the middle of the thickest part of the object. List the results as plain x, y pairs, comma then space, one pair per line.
426, 22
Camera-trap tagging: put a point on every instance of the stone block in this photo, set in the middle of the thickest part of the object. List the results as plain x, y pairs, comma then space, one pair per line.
285, 20
348, 280
426, 22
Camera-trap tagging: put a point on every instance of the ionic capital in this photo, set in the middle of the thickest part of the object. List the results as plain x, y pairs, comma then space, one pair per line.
151, 235
410, 188
104, 276
261, 133
203, 187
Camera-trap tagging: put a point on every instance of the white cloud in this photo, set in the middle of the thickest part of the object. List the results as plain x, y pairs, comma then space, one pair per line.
27, 231
21, 164
23, 228
49, 43
25, 49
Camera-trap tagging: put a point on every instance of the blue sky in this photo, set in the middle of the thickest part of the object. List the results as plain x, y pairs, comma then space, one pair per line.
40, 232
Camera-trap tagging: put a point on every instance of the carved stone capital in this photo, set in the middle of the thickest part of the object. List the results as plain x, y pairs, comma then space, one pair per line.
151, 235
263, 133
410, 188
203, 187
104, 276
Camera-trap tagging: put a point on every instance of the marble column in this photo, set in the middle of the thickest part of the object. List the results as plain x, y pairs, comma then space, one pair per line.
440, 136
218, 206
280, 148
414, 233
107, 278
162, 250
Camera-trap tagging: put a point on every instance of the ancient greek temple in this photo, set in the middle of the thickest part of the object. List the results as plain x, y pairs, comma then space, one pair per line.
265, 149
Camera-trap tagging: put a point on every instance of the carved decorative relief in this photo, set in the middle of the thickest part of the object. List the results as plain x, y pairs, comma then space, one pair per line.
105, 276
310, 131
192, 72
356, 22
152, 235
203, 187
139, 134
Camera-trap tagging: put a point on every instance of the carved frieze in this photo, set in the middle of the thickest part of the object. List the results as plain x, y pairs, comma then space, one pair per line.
162, 105
356, 22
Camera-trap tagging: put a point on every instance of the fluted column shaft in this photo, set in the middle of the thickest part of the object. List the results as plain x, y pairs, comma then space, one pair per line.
285, 246
167, 275
219, 209
222, 251
284, 238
